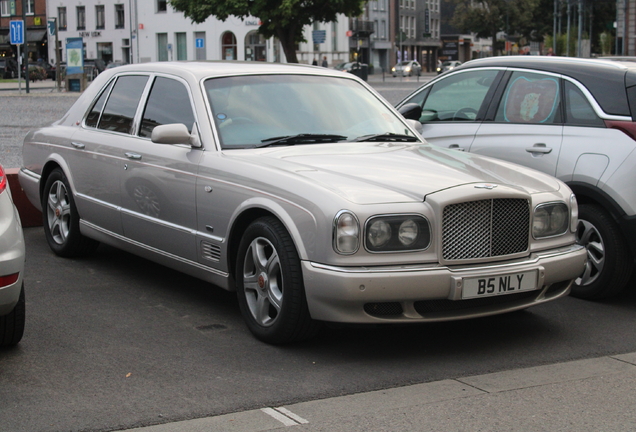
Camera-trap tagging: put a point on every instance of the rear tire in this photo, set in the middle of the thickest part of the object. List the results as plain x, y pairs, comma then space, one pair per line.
12, 324
61, 219
609, 262
269, 285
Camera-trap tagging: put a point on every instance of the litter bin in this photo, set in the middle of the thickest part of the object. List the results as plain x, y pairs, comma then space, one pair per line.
361, 70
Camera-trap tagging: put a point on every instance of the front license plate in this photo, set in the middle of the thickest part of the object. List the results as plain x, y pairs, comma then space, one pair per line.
488, 286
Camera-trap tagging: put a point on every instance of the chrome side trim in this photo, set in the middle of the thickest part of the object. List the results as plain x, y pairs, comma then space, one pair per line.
533, 259
27, 172
154, 250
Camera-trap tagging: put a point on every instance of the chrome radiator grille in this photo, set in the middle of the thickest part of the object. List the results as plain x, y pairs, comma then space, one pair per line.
485, 228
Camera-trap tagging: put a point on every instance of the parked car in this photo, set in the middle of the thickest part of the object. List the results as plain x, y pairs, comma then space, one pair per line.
303, 190
571, 118
114, 64
40, 70
407, 68
350, 66
8, 68
448, 65
12, 253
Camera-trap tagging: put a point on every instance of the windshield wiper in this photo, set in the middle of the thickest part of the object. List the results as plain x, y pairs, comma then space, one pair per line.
301, 139
389, 136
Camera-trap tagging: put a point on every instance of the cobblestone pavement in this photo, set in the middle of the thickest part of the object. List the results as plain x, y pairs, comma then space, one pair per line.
21, 112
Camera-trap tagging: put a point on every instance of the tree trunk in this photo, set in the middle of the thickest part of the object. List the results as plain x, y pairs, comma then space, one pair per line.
287, 38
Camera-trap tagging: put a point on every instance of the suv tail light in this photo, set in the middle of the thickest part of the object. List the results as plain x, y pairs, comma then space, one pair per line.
3, 180
8, 280
628, 127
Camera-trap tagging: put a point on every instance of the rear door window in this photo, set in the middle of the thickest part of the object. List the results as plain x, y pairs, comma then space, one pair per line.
120, 109
531, 98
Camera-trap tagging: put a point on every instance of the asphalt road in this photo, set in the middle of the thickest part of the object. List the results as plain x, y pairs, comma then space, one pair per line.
114, 341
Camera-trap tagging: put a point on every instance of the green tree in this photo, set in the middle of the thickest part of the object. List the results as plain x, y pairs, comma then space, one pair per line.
284, 19
488, 17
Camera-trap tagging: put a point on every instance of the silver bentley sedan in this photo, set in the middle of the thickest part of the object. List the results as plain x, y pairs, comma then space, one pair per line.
301, 189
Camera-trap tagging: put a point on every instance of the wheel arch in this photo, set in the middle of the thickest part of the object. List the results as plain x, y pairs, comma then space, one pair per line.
248, 213
54, 162
588, 194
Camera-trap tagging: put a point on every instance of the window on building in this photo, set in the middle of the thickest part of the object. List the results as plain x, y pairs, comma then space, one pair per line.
383, 30
162, 6
30, 7
61, 19
120, 16
181, 45
255, 47
4, 8
81, 18
162, 46
100, 17
228, 46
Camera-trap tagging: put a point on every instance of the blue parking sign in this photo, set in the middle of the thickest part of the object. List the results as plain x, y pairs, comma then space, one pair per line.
16, 31
199, 43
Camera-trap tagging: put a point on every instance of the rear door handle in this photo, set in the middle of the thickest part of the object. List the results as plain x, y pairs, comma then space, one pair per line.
456, 147
133, 156
78, 145
539, 148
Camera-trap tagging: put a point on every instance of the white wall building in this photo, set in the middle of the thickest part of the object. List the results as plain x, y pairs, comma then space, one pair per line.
104, 27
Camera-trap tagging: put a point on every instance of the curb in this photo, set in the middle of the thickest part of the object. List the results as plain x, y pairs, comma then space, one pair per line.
29, 215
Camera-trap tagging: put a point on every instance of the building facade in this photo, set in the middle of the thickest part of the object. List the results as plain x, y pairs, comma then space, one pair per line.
105, 28
34, 16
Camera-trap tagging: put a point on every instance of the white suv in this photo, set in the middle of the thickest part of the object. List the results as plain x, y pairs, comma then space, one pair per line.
571, 118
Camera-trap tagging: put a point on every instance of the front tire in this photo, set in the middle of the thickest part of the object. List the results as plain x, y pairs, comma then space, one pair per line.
269, 285
12, 324
61, 219
609, 262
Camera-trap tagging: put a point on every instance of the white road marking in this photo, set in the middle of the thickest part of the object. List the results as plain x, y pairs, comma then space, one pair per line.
284, 416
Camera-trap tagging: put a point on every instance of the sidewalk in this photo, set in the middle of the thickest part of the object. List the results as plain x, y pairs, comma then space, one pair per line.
583, 395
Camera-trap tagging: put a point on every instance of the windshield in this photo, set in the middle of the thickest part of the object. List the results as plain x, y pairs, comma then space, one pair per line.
251, 110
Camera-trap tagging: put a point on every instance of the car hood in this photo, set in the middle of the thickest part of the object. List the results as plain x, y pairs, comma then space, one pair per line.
371, 173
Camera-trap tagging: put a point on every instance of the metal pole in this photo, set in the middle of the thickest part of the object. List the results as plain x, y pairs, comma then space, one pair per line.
554, 28
580, 33
57, 58
567, 39
26, 48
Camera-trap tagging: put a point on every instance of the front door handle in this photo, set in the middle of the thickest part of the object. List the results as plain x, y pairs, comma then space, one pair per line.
539, 148
134, 156
456, 147
78, 145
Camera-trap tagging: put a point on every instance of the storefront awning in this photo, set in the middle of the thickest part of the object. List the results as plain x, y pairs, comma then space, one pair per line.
35, 35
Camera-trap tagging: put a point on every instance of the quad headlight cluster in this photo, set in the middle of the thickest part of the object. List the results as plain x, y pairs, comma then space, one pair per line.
386, 233
553, 219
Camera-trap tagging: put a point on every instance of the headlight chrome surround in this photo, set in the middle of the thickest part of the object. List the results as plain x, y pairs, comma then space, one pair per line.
397, 233
346, 233
550, 220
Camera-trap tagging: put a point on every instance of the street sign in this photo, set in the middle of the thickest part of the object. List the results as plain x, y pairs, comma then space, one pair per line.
16, 30
349, 33
50, 25
319, 36
199, 43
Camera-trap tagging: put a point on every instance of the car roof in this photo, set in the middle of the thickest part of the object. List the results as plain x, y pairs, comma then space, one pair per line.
205, 69
605, 79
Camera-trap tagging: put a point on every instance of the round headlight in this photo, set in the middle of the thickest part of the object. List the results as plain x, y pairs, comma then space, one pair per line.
558, 219
379, 233
408, 232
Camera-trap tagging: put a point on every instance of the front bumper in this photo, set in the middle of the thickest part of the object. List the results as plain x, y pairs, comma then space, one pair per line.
432, 293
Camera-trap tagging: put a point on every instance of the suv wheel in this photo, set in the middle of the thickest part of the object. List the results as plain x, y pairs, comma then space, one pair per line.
608, 266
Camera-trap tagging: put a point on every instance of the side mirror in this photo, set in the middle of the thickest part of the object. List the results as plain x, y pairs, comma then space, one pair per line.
176, 133
411, 111
415, 125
